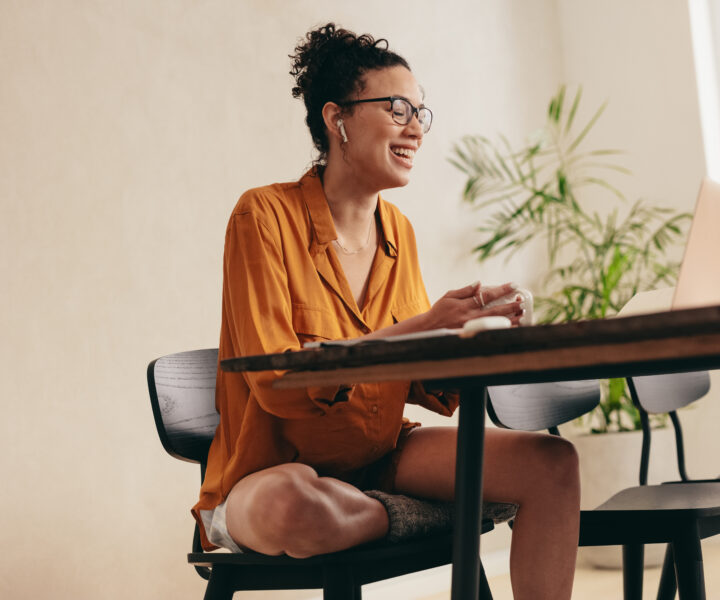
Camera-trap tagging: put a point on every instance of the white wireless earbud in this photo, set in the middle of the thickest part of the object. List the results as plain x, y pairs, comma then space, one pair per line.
341, 127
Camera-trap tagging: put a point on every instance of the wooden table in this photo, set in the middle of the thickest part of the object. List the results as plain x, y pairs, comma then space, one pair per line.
687, 340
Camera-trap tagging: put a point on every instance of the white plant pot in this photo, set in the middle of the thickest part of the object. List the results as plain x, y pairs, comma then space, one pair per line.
610, 462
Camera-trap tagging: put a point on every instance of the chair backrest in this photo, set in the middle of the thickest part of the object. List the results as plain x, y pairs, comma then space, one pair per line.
182, 394
537, 406
668, 392
665, 394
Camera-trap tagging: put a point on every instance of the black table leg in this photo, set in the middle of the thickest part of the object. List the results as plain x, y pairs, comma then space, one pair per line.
468, 492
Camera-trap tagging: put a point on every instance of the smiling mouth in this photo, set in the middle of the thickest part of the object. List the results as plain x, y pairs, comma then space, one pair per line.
405, 155
403, 152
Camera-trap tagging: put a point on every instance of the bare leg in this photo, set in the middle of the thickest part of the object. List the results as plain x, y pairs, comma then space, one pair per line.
288, 509
537, 471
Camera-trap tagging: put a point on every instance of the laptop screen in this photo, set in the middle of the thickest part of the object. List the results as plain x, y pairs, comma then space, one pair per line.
699, 280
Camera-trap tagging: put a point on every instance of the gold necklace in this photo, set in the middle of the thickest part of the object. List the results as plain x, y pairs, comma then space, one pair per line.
361, 248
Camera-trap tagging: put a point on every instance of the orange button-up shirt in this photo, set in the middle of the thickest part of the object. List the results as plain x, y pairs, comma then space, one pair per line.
284, 286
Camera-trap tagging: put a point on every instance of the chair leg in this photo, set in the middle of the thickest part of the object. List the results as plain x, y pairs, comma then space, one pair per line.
633, 566
484, 592
668, 584
339, 584
219, 585
689, 566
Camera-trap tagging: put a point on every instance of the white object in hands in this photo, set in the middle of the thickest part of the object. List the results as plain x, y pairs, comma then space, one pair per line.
484, 323
526, 298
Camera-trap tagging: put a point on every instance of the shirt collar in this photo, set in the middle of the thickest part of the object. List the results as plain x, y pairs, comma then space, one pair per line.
388, 232
318, 209
321, 218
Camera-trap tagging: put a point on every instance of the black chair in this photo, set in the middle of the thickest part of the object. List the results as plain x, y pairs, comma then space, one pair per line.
665, 394
677, 514
538, 406
182, 393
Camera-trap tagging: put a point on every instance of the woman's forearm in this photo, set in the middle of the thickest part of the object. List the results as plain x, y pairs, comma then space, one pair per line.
419, 322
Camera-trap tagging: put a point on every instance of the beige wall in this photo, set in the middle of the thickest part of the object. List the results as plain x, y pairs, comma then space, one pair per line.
127, 131
637, 55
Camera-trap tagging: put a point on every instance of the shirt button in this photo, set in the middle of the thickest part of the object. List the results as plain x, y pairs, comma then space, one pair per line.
374, 408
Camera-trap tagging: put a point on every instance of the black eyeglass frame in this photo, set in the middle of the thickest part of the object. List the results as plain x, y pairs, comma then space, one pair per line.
414, 111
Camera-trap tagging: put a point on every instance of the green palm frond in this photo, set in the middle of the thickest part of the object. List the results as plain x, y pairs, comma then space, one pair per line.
596, 263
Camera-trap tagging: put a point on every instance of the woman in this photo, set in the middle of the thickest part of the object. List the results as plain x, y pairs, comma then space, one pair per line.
327, 258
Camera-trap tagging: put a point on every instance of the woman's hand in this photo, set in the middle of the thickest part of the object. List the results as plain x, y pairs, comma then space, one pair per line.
458, 306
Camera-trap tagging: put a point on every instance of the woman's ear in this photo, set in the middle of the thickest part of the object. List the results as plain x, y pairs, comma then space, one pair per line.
332, 116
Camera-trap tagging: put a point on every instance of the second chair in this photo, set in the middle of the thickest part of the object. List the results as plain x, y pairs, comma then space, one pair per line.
675, 514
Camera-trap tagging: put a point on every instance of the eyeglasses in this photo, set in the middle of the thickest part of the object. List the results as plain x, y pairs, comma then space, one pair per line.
402, 111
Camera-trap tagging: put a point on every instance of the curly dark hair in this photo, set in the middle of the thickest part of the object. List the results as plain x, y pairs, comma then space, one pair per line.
328, 66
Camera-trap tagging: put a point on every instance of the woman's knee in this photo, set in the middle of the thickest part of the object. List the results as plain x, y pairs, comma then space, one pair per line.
557, 461
286, 504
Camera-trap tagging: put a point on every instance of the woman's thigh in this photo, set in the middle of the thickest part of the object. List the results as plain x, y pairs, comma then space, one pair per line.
289, 508
515, 463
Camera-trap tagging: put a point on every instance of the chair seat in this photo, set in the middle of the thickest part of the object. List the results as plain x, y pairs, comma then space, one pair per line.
368, 563
375, 561
379, 549
441, 514
702, 498
658, 513
438, 542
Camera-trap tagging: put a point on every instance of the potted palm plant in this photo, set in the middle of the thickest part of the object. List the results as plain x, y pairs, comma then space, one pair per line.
596, 263
537, 194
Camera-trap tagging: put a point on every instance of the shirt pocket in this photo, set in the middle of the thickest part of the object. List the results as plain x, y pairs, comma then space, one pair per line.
400, 312
313, 324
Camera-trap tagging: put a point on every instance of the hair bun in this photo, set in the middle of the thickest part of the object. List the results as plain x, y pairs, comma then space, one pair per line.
328, 65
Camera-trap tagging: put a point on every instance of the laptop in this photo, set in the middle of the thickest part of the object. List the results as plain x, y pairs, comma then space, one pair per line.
698, 283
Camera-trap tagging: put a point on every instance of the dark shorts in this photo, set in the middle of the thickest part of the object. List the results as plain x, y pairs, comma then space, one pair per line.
380, 475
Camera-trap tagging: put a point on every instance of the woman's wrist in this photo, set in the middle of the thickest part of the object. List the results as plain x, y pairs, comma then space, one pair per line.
425, 321
421, 322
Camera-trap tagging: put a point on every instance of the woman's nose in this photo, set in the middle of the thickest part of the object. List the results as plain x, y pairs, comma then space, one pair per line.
414, 127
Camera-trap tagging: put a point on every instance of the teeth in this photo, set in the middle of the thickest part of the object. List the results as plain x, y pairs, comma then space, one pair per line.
404, 152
